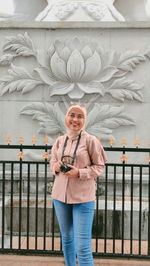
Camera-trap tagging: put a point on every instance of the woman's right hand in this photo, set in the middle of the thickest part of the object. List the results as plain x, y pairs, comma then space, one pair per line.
57, 166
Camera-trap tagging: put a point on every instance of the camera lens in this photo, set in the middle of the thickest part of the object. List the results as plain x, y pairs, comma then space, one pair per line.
64, 168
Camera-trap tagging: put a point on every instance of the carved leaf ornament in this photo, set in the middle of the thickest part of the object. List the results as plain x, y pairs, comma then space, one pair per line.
78, 69
18, 79
22, 45
101, 120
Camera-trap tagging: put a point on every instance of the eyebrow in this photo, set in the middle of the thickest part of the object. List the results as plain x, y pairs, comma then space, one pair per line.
72, 113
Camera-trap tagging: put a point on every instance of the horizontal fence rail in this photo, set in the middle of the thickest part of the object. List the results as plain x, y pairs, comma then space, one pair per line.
28, 224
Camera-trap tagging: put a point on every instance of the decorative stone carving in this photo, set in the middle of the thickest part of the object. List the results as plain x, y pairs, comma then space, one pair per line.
21, 45
75, 69
102, 10
101, 119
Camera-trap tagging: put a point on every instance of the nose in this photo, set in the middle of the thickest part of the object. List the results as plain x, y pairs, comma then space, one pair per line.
75, 118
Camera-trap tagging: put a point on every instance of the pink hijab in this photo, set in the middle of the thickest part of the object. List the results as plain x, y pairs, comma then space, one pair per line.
71, 133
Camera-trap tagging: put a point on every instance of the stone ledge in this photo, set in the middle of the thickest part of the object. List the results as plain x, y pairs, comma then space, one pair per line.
74, 24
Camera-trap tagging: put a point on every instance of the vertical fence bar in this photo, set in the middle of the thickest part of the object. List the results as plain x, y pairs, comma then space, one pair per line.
123, 188
28, 204
131, 212
3, 206
36, 205
53, 224
105, 228
149, 209
60, 243
140, 209
20, 203
45, 205
114, 210
97, 216
11, 206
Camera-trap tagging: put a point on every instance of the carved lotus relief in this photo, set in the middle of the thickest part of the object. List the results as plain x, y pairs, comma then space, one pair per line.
75, 69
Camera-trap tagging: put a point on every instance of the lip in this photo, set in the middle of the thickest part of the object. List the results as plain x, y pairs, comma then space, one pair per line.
75, 124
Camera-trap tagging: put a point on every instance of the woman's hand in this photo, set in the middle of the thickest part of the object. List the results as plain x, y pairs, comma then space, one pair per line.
57, 166
73, 173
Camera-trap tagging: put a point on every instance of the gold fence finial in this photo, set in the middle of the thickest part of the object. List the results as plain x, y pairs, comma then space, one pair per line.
45, 156
124, 141
123, 158
34, 140
111, 141
137, 143
20, 155
46, 140
8, 139
21, 140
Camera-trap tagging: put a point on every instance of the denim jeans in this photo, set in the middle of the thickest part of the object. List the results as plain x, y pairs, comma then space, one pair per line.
75, 222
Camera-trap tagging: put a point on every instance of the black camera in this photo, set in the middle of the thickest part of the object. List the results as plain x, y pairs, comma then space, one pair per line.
65, 168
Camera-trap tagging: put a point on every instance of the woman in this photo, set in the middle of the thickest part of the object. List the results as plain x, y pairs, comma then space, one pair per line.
74, 187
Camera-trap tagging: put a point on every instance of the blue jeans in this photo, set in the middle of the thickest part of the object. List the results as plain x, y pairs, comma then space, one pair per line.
75, 222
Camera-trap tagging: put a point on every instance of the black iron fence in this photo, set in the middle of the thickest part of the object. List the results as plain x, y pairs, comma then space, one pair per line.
122, 210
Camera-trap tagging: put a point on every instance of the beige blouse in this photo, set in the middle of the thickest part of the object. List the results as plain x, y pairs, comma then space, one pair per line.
90, 160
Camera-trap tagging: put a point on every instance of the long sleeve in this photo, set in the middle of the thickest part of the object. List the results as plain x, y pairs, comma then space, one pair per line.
97, 157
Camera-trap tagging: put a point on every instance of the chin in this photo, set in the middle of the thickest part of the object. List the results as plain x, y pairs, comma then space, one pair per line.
75, 128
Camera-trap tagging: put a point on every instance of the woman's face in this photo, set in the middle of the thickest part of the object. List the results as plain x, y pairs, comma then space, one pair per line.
75, 119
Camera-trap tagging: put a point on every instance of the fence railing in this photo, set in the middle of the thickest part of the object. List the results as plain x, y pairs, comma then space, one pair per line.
122, 210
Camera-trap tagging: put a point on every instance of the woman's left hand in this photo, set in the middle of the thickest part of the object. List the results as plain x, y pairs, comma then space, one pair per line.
73, 173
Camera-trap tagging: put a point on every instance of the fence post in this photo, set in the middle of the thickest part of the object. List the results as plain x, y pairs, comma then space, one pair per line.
149, 213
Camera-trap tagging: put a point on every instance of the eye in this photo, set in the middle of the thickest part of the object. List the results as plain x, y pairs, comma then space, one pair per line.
80, 116
72, 115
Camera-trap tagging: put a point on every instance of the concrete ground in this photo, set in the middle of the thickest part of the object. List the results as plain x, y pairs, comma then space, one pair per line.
36, 260
18, 260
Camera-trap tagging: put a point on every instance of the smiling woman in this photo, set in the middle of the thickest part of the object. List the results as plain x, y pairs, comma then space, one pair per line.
73, 192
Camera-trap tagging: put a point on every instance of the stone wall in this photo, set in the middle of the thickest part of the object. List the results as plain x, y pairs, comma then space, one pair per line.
44, 66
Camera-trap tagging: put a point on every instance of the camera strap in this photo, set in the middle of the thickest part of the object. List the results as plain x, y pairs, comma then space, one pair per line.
74, 154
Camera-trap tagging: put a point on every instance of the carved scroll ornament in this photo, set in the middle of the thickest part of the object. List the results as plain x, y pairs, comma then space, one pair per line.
102, 10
